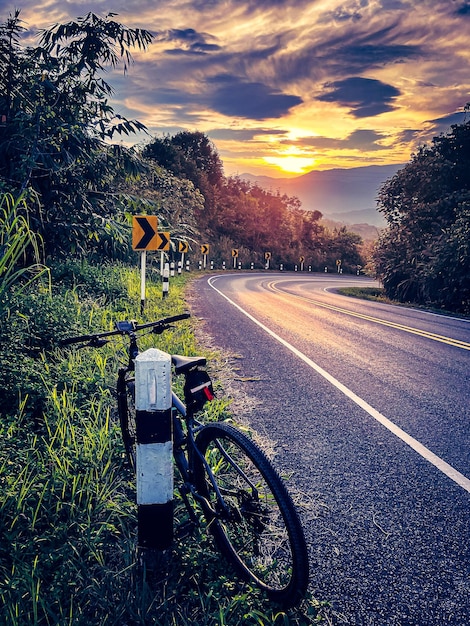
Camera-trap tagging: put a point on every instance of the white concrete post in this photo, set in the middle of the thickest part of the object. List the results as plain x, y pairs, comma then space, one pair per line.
154, 455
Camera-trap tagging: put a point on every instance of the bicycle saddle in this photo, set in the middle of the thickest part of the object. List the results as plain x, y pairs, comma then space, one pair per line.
185, 363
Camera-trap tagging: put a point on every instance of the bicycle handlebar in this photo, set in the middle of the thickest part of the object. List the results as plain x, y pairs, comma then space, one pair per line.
125, 328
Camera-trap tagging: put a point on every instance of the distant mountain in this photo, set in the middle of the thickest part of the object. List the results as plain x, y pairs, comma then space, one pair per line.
345, 195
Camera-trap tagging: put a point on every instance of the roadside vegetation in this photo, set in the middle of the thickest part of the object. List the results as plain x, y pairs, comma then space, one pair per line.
67, 502
423, 257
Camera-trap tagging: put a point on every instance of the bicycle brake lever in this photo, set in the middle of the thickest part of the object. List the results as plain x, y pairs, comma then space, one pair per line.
158, 330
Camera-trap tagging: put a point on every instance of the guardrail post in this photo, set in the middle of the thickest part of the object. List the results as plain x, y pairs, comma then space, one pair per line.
154, 458
166, 280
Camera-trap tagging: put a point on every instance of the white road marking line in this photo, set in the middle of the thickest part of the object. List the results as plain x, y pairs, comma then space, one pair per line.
418, 447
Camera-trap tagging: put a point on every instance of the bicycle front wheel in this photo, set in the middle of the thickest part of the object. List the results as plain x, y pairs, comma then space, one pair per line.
126, 410
251, 515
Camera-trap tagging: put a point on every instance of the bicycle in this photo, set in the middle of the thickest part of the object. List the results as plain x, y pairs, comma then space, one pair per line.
222, 473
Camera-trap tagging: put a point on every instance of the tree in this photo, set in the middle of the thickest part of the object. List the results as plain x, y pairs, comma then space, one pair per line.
423, 256
55, 118
192, 155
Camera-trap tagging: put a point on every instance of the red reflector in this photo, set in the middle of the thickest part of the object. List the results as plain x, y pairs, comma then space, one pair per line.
208, 394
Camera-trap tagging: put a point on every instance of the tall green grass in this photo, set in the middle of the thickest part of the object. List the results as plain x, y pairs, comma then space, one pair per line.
67, 503
20, 247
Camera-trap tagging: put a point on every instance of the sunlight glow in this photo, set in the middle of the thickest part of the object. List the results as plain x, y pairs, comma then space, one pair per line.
292, 163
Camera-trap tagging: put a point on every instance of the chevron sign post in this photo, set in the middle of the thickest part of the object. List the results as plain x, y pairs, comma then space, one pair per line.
145, 237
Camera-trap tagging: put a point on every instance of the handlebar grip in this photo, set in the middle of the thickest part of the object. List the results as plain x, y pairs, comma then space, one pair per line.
176, 318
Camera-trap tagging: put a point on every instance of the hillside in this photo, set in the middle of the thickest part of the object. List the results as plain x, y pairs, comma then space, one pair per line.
343, 195
367, 232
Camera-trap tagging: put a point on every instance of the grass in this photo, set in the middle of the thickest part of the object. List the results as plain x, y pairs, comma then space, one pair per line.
67, 503
376, 294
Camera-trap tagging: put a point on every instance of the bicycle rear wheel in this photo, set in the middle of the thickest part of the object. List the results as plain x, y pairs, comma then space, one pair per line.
258, 530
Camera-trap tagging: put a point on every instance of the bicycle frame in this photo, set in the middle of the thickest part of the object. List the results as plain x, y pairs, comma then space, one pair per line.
185, 462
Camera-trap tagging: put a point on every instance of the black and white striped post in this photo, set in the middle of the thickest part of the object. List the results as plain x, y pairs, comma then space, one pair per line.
166, 280
154, 456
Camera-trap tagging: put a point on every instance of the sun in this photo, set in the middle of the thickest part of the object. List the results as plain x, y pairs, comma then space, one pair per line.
292, 163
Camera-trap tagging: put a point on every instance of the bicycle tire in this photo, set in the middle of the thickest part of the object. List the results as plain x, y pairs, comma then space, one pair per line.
126, 411
262, 535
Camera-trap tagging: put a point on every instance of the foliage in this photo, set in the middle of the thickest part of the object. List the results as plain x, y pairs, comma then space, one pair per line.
35, 319
424, 255
20, 249
67, 505
55, 116
239, 215
175, 200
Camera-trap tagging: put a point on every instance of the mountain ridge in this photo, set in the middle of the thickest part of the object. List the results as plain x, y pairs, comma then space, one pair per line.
340, 194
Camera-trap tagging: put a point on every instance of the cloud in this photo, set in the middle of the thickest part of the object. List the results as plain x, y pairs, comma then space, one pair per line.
244, 134
443, 124
360, 139
464, 9
235, 97
258, 74
365, 97
188, 41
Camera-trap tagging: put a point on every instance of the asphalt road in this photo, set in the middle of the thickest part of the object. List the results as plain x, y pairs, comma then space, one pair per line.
365, 408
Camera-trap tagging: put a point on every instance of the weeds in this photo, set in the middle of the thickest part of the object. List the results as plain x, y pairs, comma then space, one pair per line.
67, 502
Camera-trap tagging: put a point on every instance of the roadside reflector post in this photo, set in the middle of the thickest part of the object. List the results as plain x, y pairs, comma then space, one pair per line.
166, 280
154, 452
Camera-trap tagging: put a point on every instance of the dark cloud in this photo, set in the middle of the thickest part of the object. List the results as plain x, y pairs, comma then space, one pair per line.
409, 137
188, 41
357, 52
346, 13
393, 5
366, 97
464, 9
234, 97
361, 139
443, 124
243, 134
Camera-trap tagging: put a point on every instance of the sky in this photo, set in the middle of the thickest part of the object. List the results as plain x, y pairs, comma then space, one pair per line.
286, 87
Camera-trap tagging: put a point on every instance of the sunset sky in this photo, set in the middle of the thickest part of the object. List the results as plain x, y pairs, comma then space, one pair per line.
285, 87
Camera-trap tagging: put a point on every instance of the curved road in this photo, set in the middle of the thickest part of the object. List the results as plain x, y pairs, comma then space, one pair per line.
365, 408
